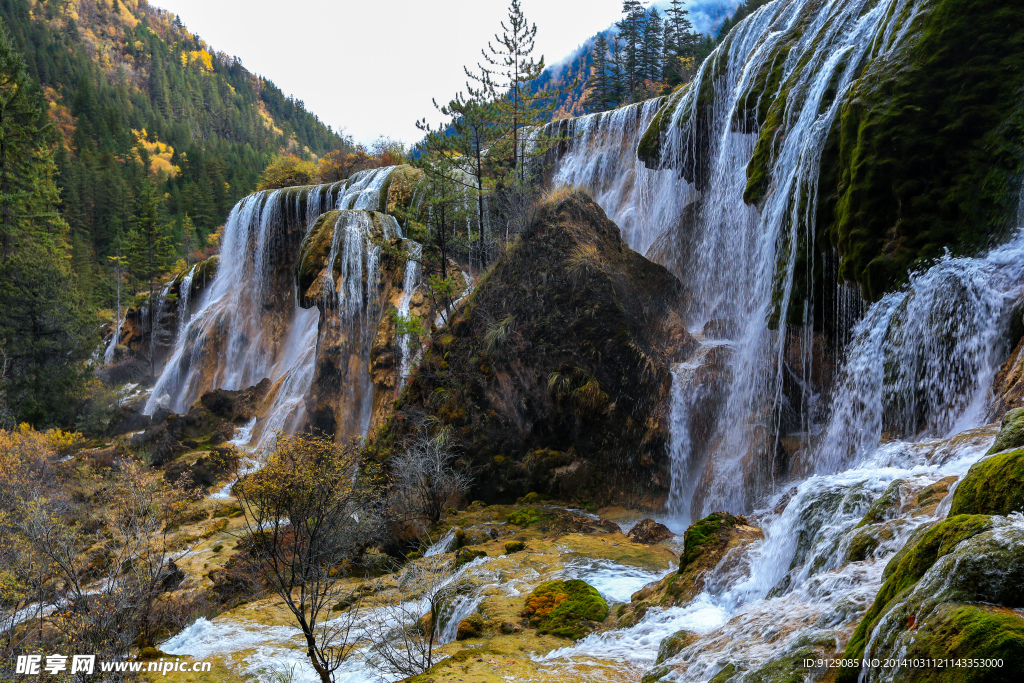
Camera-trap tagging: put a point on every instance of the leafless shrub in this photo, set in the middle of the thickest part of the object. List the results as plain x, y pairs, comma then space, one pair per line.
427, 478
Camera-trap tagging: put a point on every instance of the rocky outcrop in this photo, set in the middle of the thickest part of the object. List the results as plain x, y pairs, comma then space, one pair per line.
554, 376
210, 422
649, 531
951, 590
357, 364
706, 544
993, 486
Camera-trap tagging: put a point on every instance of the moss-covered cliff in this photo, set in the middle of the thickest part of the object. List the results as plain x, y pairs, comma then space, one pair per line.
926, 153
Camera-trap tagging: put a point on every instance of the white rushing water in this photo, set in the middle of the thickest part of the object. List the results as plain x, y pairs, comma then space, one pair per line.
248, 324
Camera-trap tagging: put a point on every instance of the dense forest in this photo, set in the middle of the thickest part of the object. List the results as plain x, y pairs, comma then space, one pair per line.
141, 106
126, 140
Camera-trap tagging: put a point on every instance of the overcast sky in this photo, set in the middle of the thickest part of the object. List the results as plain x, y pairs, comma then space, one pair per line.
371, 67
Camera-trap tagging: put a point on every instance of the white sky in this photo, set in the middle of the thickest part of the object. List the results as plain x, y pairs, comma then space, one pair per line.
371, 67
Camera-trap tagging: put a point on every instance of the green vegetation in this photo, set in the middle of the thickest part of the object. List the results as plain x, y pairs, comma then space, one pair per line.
1011, 431
909, 568
514, 546
703, 534
994, 486
929, 144
568, 609
44, 328
972, 632
137, 101
523, 517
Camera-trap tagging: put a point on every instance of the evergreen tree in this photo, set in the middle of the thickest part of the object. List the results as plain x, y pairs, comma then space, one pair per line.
652, 46
601, 94
631, 32
682, 45
150, 252
473, 130
617, 80
510, 68
189, 240
44, 334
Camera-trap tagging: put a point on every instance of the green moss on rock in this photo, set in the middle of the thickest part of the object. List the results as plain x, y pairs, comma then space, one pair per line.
705, 535
994, 486
969, 631
929, 150
1011, 431
568, 609
910, 567
675, 644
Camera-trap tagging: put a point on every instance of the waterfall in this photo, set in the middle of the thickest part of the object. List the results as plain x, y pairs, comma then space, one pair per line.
249, 324
737, 261
413, 271
364, 190
601, 157
108, 354
923, 359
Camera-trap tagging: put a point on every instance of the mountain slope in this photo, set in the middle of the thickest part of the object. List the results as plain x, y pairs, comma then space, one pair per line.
138, 99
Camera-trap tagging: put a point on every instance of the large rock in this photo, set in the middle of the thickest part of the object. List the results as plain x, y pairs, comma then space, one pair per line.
569, 609
649, 531
993, 486
955, 595
554, 376
705, 544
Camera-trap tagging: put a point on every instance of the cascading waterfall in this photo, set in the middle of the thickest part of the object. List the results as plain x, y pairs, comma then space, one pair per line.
413, 273
601, 157
737, 261
248, 325
942, 335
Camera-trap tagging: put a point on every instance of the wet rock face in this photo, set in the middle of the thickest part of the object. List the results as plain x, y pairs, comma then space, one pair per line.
554, 376
211, 420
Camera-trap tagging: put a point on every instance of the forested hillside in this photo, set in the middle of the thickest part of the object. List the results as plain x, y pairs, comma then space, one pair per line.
141, 107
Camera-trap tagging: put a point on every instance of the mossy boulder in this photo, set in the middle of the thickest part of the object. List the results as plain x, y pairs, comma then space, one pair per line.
470, 627
907, 568
706, 543
675, 644
569, 609
705, 540
523, 517
467, 555
968, 631
1011, 431
993, 486
955, 605
514, 546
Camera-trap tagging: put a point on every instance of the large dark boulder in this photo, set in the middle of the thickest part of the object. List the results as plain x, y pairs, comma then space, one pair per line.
554, 376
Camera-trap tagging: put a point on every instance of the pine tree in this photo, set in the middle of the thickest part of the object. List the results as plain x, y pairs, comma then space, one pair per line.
600, 95
631, 31
150, 252
473, 130
685, 44
44, 334
189, 240
617, 80
652, 46
510, 68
